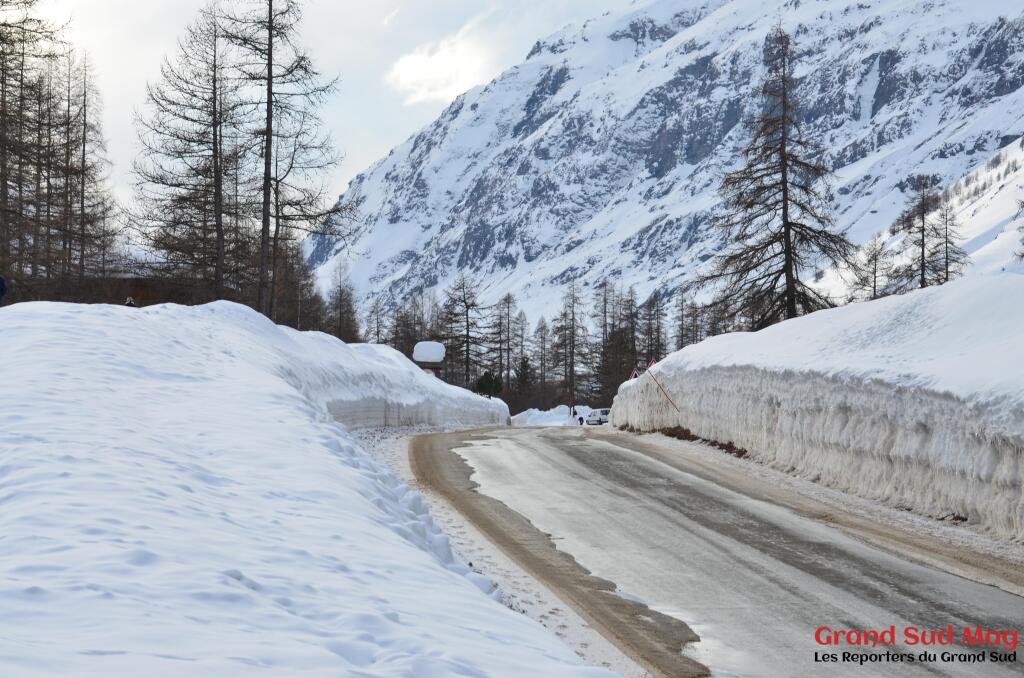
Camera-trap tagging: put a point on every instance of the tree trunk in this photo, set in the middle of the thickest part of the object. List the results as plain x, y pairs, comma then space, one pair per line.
874, 279
273, 251
787, 230
945, 245
81, 193
924, 256
218, 178
468, 335
37, 229
263, 298
21, 157
66, 227
5, 228
50, 151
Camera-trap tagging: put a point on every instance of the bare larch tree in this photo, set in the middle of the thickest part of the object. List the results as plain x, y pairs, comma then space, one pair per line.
777, 208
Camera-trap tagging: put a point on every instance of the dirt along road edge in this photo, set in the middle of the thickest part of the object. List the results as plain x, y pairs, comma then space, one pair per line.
652, 639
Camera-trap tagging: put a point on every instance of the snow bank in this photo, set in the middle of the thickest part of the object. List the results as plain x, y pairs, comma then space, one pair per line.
558, 416
370, 385
917, 401
176, 500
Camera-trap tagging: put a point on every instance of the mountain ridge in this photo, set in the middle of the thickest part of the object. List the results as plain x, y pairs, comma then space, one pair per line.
600, 154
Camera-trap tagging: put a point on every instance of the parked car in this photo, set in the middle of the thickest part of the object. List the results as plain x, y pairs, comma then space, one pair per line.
599, 416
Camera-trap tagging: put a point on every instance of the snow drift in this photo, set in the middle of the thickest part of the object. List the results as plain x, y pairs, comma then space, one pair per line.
366, 385
374, 385
557, 416
177, 500
917, 400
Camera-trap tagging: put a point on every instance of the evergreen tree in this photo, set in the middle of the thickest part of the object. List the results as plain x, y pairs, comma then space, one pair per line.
94, 201
344, 322
872, 270
602, 312
58, 220
191, 116
778, 207
405, 330
695, 331
919, 236
541, 345
619, 353
570, 339
1020, 211
520, 330
290, 90
945, 250
25, 43
416, 319
376, 332
488, 385
300, 198
300, 304
522, 391
463, 319
682, 318
628, 322
652, 333
500, 335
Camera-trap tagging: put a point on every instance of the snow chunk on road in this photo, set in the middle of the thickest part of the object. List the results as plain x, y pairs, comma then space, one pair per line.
915, 400
177, 500
558, 416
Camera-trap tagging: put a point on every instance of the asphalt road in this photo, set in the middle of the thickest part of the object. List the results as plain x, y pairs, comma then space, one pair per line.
751, 572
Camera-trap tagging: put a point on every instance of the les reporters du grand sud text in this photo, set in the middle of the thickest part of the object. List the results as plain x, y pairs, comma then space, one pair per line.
1002, 643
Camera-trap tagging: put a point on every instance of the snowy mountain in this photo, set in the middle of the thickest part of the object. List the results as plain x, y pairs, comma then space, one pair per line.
986, 201
600, 155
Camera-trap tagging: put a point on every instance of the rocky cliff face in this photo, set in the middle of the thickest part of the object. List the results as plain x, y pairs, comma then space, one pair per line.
600, 155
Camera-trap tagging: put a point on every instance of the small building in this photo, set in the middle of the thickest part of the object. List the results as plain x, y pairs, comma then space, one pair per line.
429, 356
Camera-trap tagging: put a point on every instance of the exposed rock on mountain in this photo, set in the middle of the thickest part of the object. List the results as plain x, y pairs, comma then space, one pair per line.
600, 155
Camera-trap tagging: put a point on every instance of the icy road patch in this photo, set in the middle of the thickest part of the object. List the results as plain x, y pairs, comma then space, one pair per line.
753, 578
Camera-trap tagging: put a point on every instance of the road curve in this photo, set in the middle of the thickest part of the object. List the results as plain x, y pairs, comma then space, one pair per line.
752, 574
652, 639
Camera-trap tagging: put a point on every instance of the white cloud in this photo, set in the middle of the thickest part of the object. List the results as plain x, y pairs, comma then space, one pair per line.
385, 59
439, 71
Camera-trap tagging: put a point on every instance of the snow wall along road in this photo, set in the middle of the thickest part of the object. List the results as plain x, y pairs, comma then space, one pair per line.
383, 388
177, 501
916, 401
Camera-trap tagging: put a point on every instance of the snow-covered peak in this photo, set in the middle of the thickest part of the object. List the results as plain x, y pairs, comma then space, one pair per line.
600, 155
987, 203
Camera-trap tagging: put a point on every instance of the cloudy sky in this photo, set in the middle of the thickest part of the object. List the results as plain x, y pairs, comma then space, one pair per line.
400, 61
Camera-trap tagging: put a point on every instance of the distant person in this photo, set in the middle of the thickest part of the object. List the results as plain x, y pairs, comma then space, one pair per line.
130, 302
581, 421
3, 289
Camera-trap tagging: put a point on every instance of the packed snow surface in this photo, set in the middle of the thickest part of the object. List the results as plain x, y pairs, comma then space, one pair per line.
428, 352
558, 416
177, 500
916, 400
